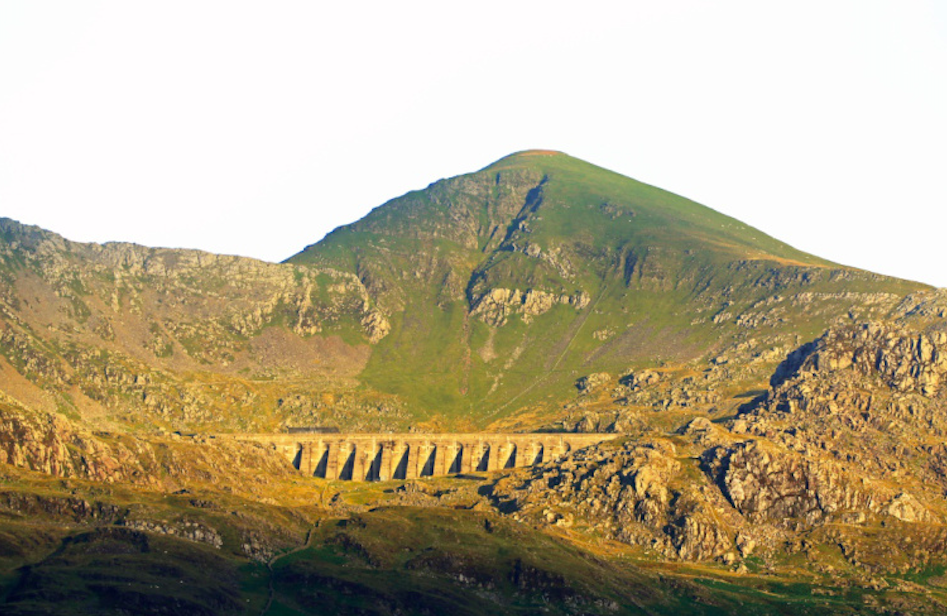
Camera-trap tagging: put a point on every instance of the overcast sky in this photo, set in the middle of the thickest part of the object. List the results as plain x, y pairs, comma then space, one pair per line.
256, 128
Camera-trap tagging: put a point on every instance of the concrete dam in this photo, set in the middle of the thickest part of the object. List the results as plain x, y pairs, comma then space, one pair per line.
379, 457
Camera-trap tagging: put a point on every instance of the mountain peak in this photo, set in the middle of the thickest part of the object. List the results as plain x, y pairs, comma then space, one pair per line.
529, 154
600, 209
527, 158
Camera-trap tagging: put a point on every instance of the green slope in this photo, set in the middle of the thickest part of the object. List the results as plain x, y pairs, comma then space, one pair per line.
578, 199
505, 285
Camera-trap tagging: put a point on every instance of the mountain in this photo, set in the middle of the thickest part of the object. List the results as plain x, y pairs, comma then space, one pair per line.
780, 419
505, 286
482, 301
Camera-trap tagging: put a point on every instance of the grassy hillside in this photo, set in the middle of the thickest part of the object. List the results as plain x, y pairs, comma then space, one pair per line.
506, 285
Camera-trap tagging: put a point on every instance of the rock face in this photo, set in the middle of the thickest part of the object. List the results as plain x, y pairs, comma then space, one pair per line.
844, 446
777, 486
118, 333
905, 361
637, 494
49, 444
496, 305
237, 295
749, 497
869, 395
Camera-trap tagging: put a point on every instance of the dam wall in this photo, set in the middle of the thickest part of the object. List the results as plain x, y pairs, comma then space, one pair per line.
379, 457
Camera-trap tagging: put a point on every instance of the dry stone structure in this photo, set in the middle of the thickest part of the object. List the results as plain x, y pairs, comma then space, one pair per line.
379, 457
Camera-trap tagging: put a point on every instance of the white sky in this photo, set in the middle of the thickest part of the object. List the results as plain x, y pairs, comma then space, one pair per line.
255, 128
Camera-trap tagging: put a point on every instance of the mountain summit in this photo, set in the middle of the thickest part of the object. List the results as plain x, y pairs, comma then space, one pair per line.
580, 204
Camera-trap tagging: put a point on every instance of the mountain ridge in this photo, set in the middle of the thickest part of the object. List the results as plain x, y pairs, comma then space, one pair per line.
478, 299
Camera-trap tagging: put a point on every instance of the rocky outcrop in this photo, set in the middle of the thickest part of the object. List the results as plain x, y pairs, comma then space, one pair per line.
904, 360
637, 493
376, 325
199, 300
119, 331
71, 508
497, 305
868, 395
190, 530
49, 444
775, 486
592, 382
636, 381
713, 493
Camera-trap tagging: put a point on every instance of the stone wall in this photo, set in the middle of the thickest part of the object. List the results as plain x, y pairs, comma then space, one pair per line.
379, 457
